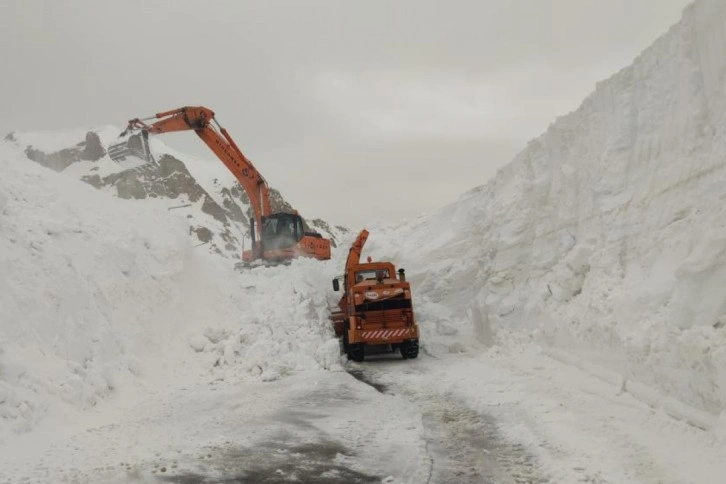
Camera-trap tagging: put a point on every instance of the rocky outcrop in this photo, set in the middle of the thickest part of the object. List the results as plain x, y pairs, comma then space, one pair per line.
91, 149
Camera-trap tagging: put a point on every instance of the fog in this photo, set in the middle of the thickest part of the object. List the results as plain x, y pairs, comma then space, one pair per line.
357, 111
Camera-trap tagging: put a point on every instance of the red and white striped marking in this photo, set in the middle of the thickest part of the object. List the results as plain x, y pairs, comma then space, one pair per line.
386, 333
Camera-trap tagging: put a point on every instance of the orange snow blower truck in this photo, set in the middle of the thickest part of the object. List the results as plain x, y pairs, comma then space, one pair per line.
276, 237
376, 308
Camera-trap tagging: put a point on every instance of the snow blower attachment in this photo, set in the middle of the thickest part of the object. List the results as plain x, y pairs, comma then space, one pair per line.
134, 144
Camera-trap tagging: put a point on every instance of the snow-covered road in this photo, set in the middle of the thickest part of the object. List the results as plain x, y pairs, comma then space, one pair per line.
500, 417
536, 419
312, 427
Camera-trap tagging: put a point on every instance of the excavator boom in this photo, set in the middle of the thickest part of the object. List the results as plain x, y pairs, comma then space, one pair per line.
267, 228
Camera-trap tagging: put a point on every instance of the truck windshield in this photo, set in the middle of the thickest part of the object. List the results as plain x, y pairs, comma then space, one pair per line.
370, 275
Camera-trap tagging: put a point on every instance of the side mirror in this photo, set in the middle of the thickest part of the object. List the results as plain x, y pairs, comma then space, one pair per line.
336, 284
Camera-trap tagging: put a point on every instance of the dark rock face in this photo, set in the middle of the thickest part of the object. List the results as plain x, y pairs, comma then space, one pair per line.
58, 161
320, 225
93, 149
203, 233
168, 179
234, 210
90, 149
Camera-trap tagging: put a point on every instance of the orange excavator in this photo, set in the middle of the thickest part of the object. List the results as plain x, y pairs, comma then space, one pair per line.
276, 237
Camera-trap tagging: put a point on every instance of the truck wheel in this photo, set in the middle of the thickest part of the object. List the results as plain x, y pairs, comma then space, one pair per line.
346, 346
356, 352
409, 349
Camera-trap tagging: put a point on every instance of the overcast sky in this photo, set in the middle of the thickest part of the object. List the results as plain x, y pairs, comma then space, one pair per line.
358, 111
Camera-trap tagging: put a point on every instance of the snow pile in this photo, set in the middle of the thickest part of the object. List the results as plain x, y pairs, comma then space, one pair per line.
74, 266
606, 236
102, 297
279, 325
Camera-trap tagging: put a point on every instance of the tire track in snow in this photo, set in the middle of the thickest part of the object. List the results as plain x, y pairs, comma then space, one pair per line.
463, 446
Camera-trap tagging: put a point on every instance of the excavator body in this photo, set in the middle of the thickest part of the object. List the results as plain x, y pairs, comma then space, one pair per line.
276, 237
284, 238
376, 309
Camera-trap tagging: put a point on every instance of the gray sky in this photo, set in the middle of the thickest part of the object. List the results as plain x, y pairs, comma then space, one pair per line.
357, 111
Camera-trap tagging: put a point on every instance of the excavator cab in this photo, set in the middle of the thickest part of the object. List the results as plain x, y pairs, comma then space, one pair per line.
282, 238
281, 231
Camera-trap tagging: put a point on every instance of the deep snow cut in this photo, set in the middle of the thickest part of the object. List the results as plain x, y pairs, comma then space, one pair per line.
605, 237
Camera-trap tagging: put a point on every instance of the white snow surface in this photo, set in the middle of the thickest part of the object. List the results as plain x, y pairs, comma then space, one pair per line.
606, 237
96, 292
576, 298
56, 140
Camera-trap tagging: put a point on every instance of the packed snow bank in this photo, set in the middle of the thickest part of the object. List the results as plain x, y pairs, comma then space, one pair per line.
101, 297
280, 323
606, 236
75, 268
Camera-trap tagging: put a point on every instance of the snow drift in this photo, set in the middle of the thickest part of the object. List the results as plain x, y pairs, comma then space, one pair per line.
100, 295
606, 236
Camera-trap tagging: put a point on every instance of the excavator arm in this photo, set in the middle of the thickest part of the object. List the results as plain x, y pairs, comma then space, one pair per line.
283, 237
202, 121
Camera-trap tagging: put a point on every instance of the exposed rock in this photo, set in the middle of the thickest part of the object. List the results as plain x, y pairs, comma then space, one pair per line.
90, 149
93, 150
231, 206
212, 208
203, 233
320, 225
58, 161
93, 180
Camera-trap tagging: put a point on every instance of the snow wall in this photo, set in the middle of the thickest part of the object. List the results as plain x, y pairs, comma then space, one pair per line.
606, 236
103, 298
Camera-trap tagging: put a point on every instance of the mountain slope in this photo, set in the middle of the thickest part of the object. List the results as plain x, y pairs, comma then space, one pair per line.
202, 190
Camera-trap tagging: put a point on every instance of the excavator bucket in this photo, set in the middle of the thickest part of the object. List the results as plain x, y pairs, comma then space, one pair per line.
136, 144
